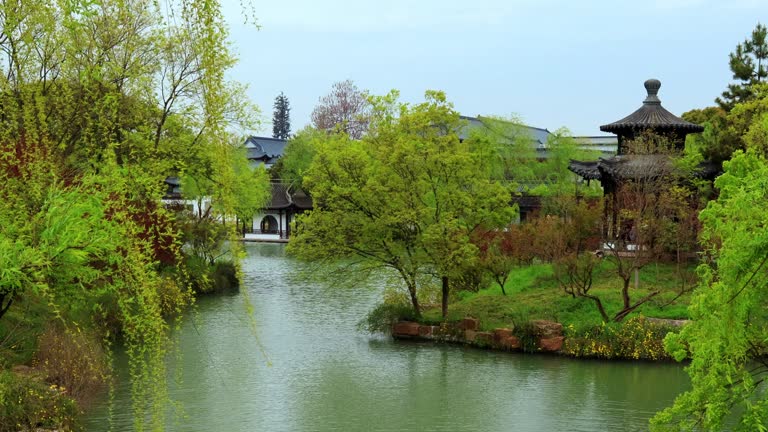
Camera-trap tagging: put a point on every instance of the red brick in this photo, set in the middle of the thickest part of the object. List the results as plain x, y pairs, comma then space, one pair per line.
470, 324
511, 343
406, 328
552, 344
500, 334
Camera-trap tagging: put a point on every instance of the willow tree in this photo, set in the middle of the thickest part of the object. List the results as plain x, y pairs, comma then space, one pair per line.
726, 337
407, 196
101, 100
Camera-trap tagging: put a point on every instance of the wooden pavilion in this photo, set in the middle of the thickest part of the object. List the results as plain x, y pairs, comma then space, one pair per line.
650, 122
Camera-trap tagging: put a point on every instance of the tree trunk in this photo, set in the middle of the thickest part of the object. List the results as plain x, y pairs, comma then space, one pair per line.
628, 310
414, 300
599, 305
445, 297
4, 309
625, 290
501, 284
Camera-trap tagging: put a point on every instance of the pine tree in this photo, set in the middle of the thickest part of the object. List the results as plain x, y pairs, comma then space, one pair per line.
748, 64
281, 120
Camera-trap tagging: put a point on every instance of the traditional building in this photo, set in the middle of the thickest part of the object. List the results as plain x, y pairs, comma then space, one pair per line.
173, 198
649, 122
274, 222
539, 140
263, 150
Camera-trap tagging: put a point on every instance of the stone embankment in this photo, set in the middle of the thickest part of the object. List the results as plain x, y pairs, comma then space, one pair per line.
547, 336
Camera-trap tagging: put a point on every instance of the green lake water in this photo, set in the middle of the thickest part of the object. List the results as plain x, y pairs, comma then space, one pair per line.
307, 368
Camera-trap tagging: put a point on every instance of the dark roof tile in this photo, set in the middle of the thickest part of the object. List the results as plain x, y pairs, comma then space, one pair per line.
285, 195
651, 116
264, 147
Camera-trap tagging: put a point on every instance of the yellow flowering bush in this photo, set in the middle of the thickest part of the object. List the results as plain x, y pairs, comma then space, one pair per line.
27, 403
636, 339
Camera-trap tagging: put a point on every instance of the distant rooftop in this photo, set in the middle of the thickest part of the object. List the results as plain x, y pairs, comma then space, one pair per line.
538, 135
264, 149
606, 144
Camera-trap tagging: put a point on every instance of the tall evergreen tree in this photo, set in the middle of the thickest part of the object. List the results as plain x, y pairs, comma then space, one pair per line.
281, 119
748, 64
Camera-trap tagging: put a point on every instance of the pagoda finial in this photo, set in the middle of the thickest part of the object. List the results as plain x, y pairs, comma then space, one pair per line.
652, 87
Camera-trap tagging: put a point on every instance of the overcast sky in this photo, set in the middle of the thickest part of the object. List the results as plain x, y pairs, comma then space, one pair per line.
554, 63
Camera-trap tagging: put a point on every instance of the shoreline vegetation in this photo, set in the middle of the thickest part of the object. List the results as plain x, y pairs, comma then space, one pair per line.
538, 317
122, 172
52, 373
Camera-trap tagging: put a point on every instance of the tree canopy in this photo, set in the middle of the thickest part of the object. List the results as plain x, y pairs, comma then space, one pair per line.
346, 108
748, 64
726, 337
101, 101
406, 196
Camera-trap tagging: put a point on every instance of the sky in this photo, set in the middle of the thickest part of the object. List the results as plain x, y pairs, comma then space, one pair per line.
577, 64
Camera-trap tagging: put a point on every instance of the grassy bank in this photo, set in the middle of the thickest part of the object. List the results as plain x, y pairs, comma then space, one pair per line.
534, 294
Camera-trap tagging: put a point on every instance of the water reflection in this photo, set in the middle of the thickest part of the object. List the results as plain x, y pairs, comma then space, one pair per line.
326, 376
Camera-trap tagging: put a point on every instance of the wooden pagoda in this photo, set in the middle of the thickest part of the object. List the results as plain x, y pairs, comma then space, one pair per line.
632, 163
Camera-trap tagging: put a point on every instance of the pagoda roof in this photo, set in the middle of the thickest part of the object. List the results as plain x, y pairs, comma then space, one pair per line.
623, 167
651, 115
636, 167
587, 170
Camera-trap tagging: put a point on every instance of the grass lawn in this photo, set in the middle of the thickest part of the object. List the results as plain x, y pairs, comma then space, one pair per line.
533, 293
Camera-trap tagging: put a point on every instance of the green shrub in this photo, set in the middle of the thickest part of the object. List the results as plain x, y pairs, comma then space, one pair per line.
26, 403
204, 278
196, 274
528, 337
20, 328
383, 316
471, 280
174, 298
225, 277
74, 361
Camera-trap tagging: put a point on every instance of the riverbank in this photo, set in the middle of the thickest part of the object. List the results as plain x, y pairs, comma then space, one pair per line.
54, 359
48, 373
639, 338
541, 317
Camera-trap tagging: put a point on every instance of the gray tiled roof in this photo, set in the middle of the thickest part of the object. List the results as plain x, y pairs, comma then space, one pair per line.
285, 195
264, 147
538, 135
